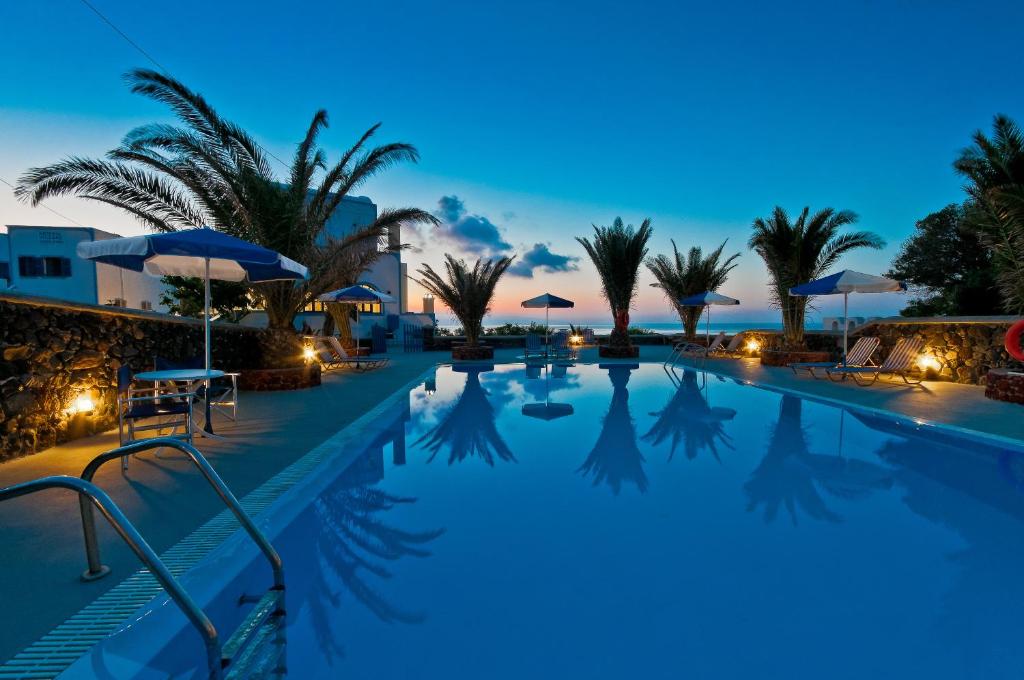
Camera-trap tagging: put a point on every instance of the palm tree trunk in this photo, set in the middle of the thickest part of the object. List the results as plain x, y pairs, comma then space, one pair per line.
793, 312
690, 316
620, 334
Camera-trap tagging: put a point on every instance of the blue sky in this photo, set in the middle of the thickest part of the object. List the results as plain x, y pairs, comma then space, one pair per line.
536, 120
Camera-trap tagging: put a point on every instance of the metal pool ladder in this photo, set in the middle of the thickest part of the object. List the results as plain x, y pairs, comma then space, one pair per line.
266, 619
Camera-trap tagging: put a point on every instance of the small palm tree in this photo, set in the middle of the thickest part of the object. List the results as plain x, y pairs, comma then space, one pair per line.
994, 169
800, 251
617, 252
207, 171
679, 278
467, 292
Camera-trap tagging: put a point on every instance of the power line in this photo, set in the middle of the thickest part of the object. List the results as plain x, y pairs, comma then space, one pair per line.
160, 66
46, 207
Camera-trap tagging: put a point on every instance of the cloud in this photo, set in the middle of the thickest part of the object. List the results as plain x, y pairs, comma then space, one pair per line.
470, 233
541, 257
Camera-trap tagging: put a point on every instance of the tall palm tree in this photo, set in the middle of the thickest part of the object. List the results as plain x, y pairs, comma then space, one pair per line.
800, 251
467, 292
994, 169
680, 277
207, 171
617, 252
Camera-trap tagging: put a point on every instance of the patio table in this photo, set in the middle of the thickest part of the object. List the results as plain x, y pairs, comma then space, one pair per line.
188, 376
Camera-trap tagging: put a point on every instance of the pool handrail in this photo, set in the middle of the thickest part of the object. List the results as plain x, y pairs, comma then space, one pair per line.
92, 550
89, 494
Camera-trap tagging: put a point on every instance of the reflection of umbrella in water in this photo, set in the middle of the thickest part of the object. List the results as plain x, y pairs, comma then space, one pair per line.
468, 428
615, 457
688, 418
548, 410
789, 474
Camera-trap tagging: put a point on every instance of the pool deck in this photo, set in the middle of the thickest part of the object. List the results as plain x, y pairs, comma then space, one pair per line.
167, 500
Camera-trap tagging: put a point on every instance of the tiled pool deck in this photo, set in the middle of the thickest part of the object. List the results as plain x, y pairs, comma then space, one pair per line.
167, 500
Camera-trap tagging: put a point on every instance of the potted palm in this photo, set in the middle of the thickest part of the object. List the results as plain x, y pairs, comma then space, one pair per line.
468, 293
680, 277
796, 252
617, 252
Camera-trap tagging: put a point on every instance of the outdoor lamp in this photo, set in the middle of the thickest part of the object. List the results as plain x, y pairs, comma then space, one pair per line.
82, 403
753, 346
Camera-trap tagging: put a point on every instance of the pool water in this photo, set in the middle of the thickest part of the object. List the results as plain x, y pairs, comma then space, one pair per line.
618, 521
656, 527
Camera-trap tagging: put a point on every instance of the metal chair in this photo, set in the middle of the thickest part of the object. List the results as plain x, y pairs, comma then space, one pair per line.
149, 404
223, 391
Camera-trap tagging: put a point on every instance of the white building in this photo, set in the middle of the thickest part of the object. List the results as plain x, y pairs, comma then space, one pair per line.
835, 323
41, 260
388, 275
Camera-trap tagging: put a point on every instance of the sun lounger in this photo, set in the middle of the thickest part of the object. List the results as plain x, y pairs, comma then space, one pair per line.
341, 358
899, 362
730, 350
859, 356
560, 347
534, 347
692, 349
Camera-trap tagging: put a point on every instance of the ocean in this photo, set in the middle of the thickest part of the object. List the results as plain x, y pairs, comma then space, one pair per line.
664, 328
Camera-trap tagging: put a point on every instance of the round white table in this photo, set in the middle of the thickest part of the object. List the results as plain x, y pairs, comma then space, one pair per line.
187, 376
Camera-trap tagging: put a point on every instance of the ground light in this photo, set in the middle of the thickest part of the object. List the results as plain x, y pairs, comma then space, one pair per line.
82, 403
308, 354
753, 346
927, 362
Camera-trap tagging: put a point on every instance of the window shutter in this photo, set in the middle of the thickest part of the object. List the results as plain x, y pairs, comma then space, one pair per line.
65, 267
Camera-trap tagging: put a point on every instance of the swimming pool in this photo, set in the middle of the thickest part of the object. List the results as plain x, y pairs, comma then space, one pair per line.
613, 521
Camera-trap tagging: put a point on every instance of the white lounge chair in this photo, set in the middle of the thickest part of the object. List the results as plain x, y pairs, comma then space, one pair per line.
899, 362
730, 350
341, 358
693, 349
860, 355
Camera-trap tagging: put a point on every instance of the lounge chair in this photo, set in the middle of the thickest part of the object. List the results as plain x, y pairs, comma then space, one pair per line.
899, 362
731, 350
692, 349
560, 347
588, 337
859, 356
341, 358
534, 347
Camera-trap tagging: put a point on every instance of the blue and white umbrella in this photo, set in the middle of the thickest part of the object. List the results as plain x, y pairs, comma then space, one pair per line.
707, 299
844, 283
202, 252
355, 295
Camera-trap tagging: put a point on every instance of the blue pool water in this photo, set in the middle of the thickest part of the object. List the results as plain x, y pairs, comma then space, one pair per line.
637, 526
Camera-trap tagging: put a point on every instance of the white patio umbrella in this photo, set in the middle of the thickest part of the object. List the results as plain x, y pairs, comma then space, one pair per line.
356, 295
707, 299
844, 283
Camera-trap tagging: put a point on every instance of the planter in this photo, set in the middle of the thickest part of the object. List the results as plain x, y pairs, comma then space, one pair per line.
618, 351
782, 357
478, 353
1004, 384
275, 379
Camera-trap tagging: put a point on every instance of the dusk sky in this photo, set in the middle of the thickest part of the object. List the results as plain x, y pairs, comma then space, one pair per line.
536, 120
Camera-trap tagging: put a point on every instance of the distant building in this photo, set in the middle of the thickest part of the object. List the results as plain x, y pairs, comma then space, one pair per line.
835, 323
41, 260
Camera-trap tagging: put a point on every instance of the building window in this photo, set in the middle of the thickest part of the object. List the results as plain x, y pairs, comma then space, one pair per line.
146, 305
369, 308
315, 306
44, 267
5, 270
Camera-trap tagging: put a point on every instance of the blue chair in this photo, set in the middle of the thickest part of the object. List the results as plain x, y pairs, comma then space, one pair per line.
148, 404
223, 391
534, 347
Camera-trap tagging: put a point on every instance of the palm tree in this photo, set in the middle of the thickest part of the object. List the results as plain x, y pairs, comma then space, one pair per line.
687, 418
207, 171
994, 169
467, 292
800, 251
679, 278
615, 457
617, 252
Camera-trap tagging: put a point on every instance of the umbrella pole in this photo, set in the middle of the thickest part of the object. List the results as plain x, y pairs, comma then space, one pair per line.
547, 325
846, 325
208, 426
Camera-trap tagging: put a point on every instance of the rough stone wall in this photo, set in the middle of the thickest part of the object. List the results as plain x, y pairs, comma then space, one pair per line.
52, 352
965, 350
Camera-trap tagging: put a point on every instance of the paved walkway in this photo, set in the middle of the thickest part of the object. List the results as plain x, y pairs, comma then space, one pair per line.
167, 500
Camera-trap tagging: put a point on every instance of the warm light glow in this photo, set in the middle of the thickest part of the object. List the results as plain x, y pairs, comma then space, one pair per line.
927, 362
82, 404
309, 353
753, 345
576, 339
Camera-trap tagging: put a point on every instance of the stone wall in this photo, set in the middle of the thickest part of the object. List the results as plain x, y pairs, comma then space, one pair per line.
54, 352
965, 347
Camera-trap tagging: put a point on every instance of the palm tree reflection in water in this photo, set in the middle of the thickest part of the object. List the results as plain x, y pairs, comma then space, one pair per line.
353, 544
688, 418
789, 475
615, 457
468, 429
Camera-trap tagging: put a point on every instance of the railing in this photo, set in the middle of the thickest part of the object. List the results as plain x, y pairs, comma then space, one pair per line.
89, 494
92, 550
